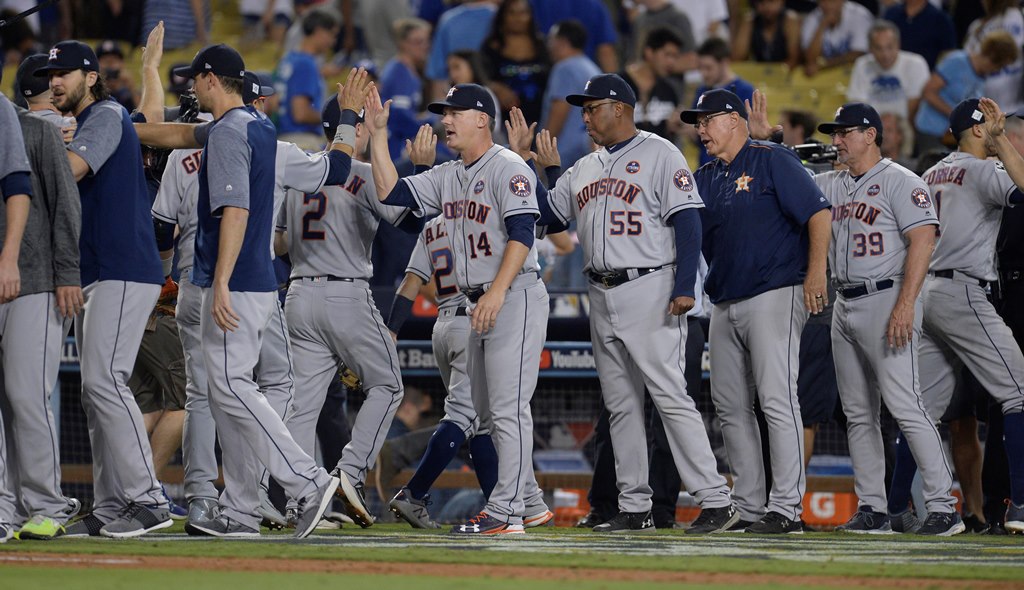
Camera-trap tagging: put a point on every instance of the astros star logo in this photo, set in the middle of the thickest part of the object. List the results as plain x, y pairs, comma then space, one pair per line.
53, 53
743, 183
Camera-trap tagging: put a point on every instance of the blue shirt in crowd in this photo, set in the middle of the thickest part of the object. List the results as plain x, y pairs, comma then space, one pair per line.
299, 75
592, 13
739, 87
464, 27
929, 34
962, 82
756, 210
405, 89
570, 76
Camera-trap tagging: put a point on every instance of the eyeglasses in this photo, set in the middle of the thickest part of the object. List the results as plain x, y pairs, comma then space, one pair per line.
590, 108
842, 133
707, 120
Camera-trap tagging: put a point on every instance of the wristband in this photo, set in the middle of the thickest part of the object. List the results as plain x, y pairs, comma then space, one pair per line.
348, 117
401, 309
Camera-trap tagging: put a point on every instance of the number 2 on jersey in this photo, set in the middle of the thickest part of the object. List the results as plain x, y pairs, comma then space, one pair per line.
314, 214
441, 259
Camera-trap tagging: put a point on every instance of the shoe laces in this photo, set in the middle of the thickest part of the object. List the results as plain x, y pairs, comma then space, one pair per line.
478, 518
130, 511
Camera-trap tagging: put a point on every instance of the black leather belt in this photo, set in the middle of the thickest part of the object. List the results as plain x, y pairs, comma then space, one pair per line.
331, 278
614, 279
949, 274
474, 295
460, 311
862, 290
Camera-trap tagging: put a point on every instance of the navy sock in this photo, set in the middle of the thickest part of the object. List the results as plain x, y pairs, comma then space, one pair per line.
441, 449
485, 462
902, 476
1013, 440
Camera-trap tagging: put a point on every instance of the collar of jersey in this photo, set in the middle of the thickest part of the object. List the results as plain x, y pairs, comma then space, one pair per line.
473, 163
614, 148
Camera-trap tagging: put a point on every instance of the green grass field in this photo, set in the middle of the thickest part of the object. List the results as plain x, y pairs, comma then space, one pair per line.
587, 560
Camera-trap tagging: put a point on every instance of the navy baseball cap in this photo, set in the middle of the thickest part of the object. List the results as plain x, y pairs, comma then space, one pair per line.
67, 56
964, 116
178, 84
109, 47
466, 96
853, 114
714, 101
256, 86
604, 86
27, 83
330, 116
214, 59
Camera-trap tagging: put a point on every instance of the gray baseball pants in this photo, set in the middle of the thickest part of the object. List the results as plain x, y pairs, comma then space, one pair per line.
449, 338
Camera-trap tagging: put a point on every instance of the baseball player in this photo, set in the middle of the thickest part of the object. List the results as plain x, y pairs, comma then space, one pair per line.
960, 325
636, 208
432, 260
234, 268
765, 239
332, 316
121, 278
33, 328
882, 238
17, 191
489, 206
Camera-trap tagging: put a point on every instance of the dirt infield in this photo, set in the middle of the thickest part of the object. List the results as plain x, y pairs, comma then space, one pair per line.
71, 560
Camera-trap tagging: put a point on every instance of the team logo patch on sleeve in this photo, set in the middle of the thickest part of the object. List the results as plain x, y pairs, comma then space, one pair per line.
519, 185
633, 167
683, 180
921, 198
479, 187
873, 190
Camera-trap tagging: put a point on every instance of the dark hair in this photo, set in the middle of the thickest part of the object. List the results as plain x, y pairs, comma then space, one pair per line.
572, 31
929, 159
716, 48
318, 18
801, 119
99, 90
476, 64
496, 39
231, 85
660, 37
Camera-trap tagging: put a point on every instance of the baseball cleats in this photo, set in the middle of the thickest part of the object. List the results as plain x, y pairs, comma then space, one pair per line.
867, 522
740, 526
628, 522
942, 524
225, 527
1014, 522
176, 512
538, 519
272, 518
774, 523
201, 510
313, 507
714, 520
974, 524
905, 522
137, 519
41, 528
6, 531
74, 507
411, 510
484, 524
591, 520
87, 526
352, 496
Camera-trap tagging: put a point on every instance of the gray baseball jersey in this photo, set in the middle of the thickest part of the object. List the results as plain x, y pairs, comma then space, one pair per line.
870, 218
474, 203
432, 259
176, 200
12, 143
622, 202
970, 194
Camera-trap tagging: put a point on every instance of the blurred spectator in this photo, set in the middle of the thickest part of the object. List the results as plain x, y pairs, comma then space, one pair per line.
186, 22
415, 404
300, 84
17, 40
897, 144
661, 14
888, 79
924, 29
378, 17
516, 59
707, 17
960, 75
834, 34
797, 127
596, 20
656, 98
177, 85
265, 19
1004, 86
401, 82
464, 27
467, 67
714, 60
117, 78
569, 75
432, 10
769, 33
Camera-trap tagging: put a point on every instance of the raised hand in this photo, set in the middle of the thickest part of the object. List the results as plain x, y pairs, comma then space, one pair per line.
153, 52
353, 94
547, 150
757, 111
995, 119
376, 115
423, 149
520, 135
